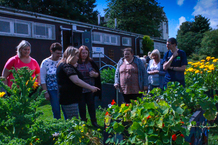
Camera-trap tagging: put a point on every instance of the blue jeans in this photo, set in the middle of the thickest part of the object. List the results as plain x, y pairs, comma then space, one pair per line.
54, 100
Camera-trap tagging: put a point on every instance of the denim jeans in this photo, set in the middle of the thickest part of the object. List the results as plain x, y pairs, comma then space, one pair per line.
54, 100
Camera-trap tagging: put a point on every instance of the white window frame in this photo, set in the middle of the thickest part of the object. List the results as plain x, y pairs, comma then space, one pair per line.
101, 38
23, 22
51, 30
11, 26
129, 40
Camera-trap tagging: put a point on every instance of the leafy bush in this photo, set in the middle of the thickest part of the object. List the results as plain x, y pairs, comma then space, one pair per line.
19, 119
147, 122
147, 44
107, 76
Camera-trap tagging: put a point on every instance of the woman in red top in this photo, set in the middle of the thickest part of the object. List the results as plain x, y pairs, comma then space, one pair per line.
22, 59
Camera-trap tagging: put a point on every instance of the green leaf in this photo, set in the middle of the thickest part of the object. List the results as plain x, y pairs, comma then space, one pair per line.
150, 105
179, 140
119, 128
210, 114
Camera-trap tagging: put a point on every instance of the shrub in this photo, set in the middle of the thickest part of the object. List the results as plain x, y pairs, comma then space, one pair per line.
107, 76
147, 44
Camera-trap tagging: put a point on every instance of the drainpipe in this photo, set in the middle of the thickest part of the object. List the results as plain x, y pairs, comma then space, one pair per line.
136, 45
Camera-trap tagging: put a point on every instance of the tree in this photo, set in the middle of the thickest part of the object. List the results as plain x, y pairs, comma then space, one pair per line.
141, 16
79, 10
209, 44
147, 44
190, 34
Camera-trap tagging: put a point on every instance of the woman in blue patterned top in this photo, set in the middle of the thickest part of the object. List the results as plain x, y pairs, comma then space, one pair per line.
48, 78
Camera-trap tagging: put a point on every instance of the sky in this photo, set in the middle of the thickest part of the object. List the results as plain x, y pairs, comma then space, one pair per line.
179, 11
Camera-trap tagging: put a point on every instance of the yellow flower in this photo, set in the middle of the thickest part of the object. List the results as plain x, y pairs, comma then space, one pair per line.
84, 125
209, 71
184, 73
81, 130
208, 58
27, 82
79, 140
190, 62
212, 57
82, 136
215, 60
2, 94
197, 71
207, 62
202, 66
205, 69
35, 85
202, 60
211, 67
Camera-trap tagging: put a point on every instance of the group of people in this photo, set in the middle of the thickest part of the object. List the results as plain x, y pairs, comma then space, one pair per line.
72, 79
134, 74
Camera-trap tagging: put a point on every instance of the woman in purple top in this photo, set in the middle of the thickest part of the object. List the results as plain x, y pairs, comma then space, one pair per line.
91, 75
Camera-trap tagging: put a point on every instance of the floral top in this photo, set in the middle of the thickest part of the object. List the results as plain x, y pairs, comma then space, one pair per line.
48, 73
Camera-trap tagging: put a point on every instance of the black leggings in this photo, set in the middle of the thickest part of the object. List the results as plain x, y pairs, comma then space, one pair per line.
87, 98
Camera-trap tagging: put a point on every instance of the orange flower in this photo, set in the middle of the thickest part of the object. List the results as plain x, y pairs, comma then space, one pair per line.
148, 117
127, 104
182, 135
182, 122
163, 125
174, 137
2, 94
35, 85
106, 113
113, 102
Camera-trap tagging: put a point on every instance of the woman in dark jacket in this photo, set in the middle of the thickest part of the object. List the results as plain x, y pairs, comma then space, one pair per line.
70, 83
91, 75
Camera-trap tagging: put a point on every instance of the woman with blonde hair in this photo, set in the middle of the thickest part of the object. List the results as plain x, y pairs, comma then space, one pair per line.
22, 59
70, 83
154, 70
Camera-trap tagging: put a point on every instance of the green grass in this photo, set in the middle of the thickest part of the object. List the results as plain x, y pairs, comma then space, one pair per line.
48, 115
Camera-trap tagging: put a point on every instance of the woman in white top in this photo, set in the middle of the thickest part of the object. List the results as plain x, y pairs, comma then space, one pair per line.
154, 70
48, 78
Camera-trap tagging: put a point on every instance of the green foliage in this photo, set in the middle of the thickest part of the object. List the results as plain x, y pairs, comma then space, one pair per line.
141, 16
147, 44
209, 44
107, 76
80, 10
19, 118
76, 131
148, 121
190, 34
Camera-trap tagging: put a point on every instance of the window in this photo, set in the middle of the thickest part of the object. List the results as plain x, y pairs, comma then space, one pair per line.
107, 38
22, 28
126, 41
97, 37
43, 31
4, 26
